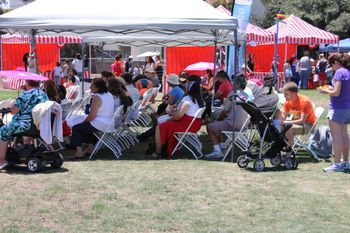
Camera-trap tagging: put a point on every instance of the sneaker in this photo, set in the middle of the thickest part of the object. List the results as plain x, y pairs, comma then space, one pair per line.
335, 167
214, 155
345, 165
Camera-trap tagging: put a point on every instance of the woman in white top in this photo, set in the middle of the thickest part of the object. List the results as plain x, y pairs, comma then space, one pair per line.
180, 120
99, 118
31, 63
150, 65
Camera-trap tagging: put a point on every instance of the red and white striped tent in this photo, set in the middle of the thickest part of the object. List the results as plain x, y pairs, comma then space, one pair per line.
294, 30
259, 35
40, 39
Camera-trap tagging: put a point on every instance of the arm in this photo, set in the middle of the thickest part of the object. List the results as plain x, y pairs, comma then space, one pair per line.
183, 109
298, 121
171, 100
335, 91
95, 105
218, 94
210, 84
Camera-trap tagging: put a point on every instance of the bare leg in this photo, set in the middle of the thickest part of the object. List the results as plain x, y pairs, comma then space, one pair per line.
3, 150
158, 141
336, 131
345, 137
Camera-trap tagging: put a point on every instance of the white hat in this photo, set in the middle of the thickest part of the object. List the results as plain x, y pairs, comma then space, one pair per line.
173, 79
131, 57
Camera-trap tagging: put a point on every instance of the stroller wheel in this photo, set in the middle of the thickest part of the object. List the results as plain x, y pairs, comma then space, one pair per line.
259, 165
290, 163
296, 164
34, 164
276, 161
242, 161
58, 162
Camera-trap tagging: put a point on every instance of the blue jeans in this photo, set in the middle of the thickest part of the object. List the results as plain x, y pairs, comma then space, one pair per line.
304, 78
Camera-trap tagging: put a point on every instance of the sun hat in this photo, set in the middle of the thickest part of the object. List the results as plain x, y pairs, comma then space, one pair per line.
173, 79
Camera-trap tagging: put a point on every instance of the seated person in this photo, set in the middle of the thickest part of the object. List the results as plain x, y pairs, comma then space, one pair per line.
301, 110
207, 81
98, 119
151, 75
225, 86
180, 120
106, 75
132, 91
71, 82
22, 119
144, 86
225, 120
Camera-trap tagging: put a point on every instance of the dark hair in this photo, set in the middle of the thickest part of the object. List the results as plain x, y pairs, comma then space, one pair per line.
51, 90
107, 74
73, 79
61, 92
194, 78
78, 56
290, 86
306, 53
194, 91
222, 74
150, 60
74, 71
139, 77
100, 85
184, 74
210, 74
240, 79
127, 77
118, 57
33, 83
58, 63
117, 88
342, 58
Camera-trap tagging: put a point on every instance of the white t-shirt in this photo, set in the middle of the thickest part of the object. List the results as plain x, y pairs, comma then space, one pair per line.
193, 106
57, 71
78, 65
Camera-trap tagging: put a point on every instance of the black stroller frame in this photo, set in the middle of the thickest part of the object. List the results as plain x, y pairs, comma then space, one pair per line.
270, 143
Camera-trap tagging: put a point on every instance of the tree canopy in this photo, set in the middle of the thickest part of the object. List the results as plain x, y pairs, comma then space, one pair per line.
330, 15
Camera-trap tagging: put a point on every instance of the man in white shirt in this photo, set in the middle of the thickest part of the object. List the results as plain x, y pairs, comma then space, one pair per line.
77, 64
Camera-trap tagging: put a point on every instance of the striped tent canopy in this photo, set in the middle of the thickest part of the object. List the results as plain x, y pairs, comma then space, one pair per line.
259, 35
40, 39
294, 30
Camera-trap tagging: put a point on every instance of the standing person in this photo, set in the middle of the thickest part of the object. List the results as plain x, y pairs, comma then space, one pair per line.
31, 63
118, 67
321, 67
150, 65
293, 65
25, 60
77, 64
137, 70
339, 110
250, 63
288, 74
57, 73
305, 70
128, 65
159, 67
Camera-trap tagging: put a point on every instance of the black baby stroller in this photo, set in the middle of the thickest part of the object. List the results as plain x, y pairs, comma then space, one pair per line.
265, 141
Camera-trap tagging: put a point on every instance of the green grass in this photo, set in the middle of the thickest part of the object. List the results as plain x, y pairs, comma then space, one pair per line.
8, 94
179, 195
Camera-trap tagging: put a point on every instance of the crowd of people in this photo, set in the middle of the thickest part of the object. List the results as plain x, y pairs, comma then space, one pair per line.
126, 84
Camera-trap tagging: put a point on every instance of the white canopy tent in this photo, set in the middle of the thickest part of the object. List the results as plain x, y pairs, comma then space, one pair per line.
180, 22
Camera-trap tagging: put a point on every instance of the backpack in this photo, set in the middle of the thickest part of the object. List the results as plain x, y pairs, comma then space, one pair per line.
321, 142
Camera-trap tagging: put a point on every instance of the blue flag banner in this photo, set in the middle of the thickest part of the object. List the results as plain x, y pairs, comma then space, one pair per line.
241, 10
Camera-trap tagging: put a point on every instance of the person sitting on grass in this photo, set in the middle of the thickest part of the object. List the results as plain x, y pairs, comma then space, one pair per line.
298, 110
225, 120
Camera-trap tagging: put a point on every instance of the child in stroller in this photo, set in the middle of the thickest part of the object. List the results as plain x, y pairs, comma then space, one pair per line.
269, 143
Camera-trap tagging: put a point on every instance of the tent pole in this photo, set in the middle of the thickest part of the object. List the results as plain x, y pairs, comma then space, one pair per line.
90, 60
1, 53
234, 93
213, 89
33, 45
164, 74
82, 56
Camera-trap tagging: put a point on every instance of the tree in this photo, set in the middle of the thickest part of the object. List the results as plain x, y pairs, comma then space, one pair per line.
330, 15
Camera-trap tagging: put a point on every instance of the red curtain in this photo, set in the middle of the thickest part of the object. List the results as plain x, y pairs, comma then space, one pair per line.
178, 58
12, 55
264, 54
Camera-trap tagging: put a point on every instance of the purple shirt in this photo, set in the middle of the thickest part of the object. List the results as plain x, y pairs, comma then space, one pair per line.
343, 100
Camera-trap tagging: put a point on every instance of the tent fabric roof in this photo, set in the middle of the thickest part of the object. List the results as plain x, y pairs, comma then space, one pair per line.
191, 19
255, 33
294, 30
344, 46
40, 39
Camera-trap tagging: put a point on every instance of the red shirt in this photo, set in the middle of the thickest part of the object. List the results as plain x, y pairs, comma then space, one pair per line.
118, 68
225, 88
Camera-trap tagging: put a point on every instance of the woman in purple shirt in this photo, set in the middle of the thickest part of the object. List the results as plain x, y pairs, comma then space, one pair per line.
339, 110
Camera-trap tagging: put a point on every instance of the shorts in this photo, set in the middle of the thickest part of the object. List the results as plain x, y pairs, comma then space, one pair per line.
219, 126
340, 116
301, 129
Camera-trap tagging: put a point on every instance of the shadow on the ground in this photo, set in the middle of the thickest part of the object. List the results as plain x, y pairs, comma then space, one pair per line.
22, 170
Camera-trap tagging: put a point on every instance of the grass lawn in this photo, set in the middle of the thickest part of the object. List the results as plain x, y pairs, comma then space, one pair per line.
179, 195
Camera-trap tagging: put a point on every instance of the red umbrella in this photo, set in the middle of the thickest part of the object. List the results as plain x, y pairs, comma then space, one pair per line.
200, 66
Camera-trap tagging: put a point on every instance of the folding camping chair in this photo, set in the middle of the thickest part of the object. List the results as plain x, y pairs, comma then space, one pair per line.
191, 138
301, 141
241, 138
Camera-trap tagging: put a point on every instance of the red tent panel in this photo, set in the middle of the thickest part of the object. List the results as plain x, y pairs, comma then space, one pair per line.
264, 54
